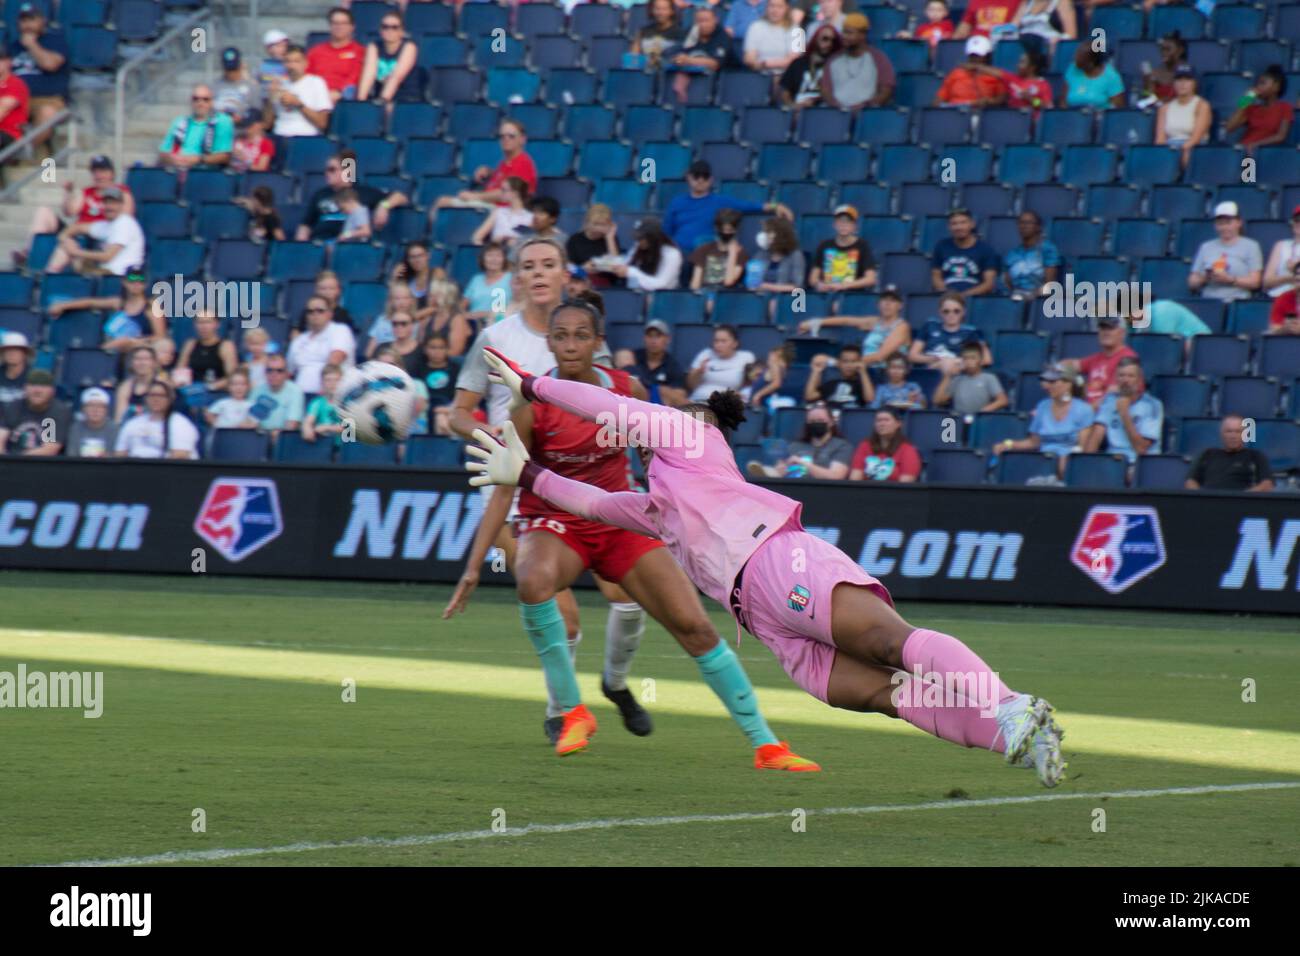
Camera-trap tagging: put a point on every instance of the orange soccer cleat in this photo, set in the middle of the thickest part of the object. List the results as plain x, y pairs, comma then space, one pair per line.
779, 757
579, 726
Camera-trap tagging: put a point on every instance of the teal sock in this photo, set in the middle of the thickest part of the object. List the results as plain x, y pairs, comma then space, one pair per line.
545, 627
727, 678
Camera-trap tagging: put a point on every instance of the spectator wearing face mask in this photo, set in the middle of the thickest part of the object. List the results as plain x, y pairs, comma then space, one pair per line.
820, 452
720, 264
780, 265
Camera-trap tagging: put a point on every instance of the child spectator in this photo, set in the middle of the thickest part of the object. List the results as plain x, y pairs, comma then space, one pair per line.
720, 264
253, 150
1264, 112
505, 223
232, 411
356, 227
896, 391
440, 373
971, 389
322, 418
936, 28
257, 344
263, 220
849, 386
843, 263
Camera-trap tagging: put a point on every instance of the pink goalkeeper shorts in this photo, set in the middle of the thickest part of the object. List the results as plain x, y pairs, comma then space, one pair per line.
785, 601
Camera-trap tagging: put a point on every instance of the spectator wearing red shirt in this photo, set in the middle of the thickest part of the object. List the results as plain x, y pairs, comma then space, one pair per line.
86, 205
1026, 88
886, 455
1100, 367
973, 83
514, 162
1267, 116
983, 15
936, 28
14, 98
338, 60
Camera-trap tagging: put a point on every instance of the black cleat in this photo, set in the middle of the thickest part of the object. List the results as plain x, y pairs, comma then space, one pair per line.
552, 726
635, 718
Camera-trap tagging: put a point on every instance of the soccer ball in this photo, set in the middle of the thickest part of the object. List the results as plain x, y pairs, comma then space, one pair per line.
379, 400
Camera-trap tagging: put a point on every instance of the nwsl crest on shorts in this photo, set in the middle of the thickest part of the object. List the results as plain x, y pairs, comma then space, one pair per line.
239, 515
798, 598
1119, 546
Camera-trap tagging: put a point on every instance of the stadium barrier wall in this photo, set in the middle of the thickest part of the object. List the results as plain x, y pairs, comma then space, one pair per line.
1202, 551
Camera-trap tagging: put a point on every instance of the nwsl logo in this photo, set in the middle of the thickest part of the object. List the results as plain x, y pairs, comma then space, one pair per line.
239, 515
1119, 546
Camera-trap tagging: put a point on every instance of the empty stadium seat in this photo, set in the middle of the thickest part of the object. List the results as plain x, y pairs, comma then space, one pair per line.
238, 444
1095, 471
956, 467
1160, 472
1021, 467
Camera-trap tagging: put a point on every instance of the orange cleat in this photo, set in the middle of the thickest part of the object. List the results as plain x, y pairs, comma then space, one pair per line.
780, 757
579, 726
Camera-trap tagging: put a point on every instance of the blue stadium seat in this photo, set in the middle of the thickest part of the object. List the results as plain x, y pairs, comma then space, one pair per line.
623, 195
728, 160
83, 367
1004, 127
788, 423
928, 429
823, 126
707, 124
553, 158
1075, 345
741, 88
429, 157
1127, 127
294, 260
75, 330
882, 126
624, 88
1078, 237
925, 199
473, 121
885, 233
671, 160
357, 260
167, 257
238, 444
164, 220
434, 451
479, 19
82, 13
956, 467
351, 118
551, 50
1209, 56
1220, 355
1249, 317
782, 162
456, 226
1028, 392
1254, 202
804, 198
364, 301
1186, 20
765, 124
815, 305
1277, 164
970, 163
601, 160
677, 305
1151, 165
150, 184
761, 339
739, 308
948, 54
591, 20
1050, 200
1160, 472
540, 119
1001, 233
1191, 233
943, 126
1140, 238
1223, 90
220, 220
647, 122
16, 290
307, 154
586, 122
1280, 440
570, 86
1086, 165
1252, 397
1176, 203
91, 47
404, 225
429, 18
1215, 165
280, 184
886, 21
623, 335
1194, 435
1020, 351
1095, 471
208, 185
238, 260
903, 164
1100, 269
1160, 354
1209, 311
1254, 54
1022, 165
870, 199
688, 340
1238, 21
1062, 128
988, 199
992, 314
512, 84
26, 321
1168, 277
1118, 22
1112, 201
456, 84
1020, 467
1279, 356
907, 56
914, 90
375, 156
908, 271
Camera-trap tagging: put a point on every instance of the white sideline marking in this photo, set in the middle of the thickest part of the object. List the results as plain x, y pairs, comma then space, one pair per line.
200, 856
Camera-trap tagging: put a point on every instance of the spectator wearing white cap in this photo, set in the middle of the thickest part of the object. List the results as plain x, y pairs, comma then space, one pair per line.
971, 83
93, 434
16, 355
1230, 266
118, 235
276, 44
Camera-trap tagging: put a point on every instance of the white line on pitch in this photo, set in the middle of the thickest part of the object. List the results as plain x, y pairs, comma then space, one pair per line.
202, 856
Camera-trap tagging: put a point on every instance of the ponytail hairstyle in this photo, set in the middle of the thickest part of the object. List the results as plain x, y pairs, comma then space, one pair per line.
167, 412
726, 410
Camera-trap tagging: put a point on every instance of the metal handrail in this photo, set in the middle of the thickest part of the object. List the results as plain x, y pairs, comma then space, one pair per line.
66, 153
146, 56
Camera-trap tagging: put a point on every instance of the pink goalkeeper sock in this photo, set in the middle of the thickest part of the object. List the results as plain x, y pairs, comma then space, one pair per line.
947, 716
927, 653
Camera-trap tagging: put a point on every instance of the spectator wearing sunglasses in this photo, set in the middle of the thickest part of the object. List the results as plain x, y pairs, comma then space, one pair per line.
202, 138
279, 404
326, 217
390, 73
325, 342
514, 162
941, 340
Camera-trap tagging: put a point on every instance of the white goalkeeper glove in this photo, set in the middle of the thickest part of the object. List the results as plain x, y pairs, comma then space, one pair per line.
505, 372
499, 460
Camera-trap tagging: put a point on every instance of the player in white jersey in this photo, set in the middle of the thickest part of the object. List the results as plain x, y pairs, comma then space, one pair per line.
523, 336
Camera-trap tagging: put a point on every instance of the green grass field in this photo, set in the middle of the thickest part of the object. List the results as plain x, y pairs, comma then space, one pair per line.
226, 695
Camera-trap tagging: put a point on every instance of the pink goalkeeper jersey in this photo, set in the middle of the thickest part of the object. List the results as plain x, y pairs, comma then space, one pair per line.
699, 504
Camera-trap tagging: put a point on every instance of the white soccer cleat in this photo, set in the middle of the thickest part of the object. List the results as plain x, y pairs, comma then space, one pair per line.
1033, 738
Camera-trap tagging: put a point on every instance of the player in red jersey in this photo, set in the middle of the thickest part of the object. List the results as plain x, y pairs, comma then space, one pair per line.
555, 547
